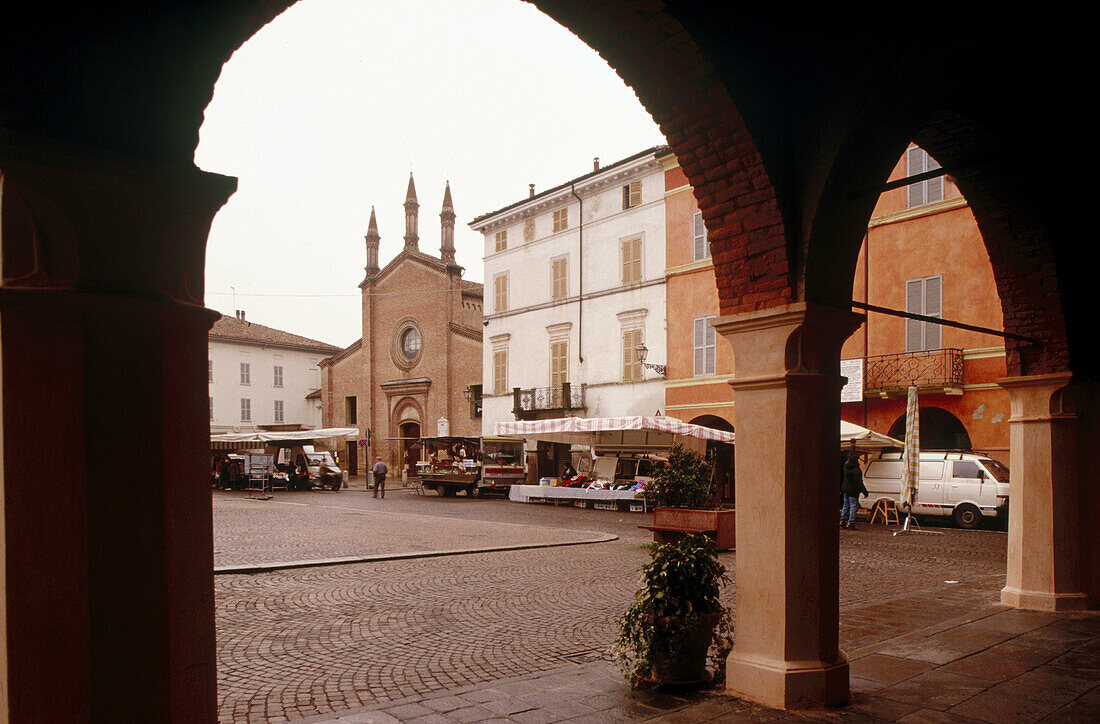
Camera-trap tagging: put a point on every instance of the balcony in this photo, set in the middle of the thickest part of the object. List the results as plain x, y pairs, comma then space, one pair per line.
939, 370
536, 402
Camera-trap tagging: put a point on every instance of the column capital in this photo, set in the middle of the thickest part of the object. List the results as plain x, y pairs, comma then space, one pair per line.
84, 218
1040, 397
800, 338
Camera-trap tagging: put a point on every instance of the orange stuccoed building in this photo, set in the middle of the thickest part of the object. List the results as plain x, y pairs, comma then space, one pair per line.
922, 254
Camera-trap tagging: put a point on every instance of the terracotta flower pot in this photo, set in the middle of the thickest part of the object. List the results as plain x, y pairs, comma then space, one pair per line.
688, 664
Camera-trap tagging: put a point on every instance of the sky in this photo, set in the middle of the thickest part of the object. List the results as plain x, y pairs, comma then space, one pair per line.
326, 110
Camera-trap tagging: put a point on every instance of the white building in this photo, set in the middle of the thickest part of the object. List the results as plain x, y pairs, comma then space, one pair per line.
261, 377
574, 283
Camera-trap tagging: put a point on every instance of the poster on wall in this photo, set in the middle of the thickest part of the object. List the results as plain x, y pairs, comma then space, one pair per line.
853, 389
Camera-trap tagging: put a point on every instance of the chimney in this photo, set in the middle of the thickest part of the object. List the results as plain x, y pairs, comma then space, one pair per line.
596, 163
530, 190
240, 314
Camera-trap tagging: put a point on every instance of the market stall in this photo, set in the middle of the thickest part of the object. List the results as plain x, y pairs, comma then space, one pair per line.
625, 450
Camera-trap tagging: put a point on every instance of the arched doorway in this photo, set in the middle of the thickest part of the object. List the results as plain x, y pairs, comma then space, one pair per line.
408, 447
722, 455
939, 430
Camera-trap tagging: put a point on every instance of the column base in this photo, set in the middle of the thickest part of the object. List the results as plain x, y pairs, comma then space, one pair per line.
788, 684
1044, 600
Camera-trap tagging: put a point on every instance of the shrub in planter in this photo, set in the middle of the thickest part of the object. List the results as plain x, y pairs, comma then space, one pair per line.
687, 481
676, 617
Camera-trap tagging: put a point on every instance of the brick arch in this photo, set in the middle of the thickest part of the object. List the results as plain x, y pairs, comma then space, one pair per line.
1016, 232
692, 105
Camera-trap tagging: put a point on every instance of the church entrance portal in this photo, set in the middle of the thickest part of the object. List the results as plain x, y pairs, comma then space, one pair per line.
408, 448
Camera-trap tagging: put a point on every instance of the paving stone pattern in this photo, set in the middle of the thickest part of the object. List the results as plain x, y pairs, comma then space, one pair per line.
519, 635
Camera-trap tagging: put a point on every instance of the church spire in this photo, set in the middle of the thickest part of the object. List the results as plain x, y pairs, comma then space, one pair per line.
372, 239
447, 228
412, 239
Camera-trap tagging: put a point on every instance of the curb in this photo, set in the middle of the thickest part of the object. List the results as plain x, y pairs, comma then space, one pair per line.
381, 557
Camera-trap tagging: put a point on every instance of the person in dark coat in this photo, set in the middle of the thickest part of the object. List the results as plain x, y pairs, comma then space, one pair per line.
851, 488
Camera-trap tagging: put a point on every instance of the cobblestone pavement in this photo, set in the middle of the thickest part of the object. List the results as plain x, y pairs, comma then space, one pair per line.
466, 637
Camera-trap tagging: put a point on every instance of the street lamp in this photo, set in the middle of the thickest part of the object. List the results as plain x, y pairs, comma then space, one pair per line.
642, 352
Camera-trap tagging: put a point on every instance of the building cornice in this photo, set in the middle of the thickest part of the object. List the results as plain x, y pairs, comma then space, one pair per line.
574, 299
926, 210
590, 183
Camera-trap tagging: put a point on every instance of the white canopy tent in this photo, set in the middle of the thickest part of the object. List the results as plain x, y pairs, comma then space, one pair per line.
659, 431
865, 440
263, 436
643, 432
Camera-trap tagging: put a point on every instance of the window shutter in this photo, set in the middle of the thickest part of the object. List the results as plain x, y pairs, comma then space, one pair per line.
632, 368
559, 369
632, 261
915, 164
500, 293
710, 337
933, 307
934, 190
699, 367
914, 304
702, 249
500, 371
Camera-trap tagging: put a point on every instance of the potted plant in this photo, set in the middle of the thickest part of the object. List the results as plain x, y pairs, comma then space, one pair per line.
676, 617
685, 500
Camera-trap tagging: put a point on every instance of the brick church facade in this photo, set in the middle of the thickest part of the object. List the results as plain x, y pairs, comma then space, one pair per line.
420, 353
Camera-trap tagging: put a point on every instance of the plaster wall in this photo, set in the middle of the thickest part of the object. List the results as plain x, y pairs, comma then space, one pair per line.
301, 376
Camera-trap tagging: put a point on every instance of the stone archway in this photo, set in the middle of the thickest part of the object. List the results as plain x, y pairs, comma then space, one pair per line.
939, 430
777, 118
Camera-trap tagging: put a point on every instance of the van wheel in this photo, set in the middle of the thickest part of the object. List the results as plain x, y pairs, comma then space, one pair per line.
967, 516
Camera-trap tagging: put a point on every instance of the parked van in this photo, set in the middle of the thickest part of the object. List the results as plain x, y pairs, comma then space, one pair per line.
965, 486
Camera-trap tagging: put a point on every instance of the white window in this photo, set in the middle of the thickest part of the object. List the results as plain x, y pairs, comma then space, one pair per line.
500, 293
559, 278
632, 195
209, 370
246, 409
500, 371
632, 366
502, 240
925, 297
705, 347
211, 408
923, 192
561, 220
699, 233
278, 410
631, 260
278, 376
246, 373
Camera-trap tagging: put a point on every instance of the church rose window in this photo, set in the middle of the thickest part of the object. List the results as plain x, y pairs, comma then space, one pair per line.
410, 344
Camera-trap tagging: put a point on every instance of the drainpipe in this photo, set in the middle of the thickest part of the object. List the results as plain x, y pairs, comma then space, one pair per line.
580, 274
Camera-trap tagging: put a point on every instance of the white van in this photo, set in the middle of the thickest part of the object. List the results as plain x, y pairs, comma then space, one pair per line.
963, 485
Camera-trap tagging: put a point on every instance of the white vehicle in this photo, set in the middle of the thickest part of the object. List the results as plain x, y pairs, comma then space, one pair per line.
965, 486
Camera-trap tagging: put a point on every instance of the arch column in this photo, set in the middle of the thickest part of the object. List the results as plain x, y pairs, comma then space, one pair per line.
788, 411
1047, 562
107, 557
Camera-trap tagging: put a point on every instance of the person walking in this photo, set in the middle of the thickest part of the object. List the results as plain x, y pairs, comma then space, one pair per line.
851, 488
380, 471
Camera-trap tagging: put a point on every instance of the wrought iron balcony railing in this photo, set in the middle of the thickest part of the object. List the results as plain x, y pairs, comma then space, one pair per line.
941, 368
537, 399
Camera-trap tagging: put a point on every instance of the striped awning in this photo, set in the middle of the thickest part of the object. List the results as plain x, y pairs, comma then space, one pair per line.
591, 430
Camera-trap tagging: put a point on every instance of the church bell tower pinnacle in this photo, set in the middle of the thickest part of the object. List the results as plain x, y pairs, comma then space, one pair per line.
412, 208
447, 228
372, 239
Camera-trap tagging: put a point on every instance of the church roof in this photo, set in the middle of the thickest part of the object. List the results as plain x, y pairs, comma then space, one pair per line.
468, 288
231, 329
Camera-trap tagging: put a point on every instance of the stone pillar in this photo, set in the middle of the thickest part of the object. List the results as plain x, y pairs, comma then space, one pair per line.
787, 387
108, 552
1045, 500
